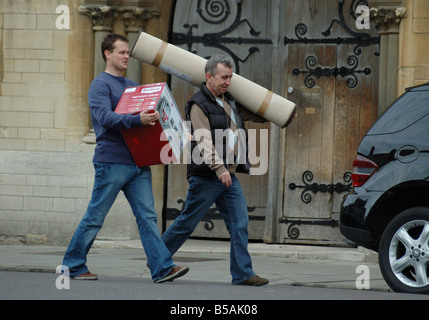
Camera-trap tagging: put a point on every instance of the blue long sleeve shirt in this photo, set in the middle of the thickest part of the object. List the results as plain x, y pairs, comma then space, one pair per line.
103, 97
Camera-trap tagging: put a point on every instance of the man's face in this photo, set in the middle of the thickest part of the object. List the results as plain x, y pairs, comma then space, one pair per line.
118, 58
218, 84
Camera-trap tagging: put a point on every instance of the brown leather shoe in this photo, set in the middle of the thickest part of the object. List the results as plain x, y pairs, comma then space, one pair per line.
256, 281
86, 276
174, 273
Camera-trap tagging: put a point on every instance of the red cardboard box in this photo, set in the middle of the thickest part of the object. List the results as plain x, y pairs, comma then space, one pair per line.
159, 144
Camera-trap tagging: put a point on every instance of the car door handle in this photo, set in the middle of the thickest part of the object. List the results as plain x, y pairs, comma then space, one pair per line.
407, 154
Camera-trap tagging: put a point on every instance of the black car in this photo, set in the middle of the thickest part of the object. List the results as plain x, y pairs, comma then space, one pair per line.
388, 209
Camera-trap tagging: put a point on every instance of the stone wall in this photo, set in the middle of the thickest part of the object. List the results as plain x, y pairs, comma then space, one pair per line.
47, 64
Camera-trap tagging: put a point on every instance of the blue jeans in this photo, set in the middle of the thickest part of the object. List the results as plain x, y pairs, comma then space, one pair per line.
136, 183
231, 203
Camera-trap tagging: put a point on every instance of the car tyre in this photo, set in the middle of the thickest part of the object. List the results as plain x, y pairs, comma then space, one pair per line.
404, 252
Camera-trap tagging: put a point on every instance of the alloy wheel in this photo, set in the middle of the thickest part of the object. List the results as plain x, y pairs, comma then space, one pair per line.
409, 253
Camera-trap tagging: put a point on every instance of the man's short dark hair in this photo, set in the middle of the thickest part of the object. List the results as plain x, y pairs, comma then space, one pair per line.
109, 42
211, 65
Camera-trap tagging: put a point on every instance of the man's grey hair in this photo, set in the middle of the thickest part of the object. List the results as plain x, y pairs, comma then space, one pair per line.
211, 65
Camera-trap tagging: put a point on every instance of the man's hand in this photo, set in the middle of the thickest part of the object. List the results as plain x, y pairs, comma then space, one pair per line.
226, 179
149, 118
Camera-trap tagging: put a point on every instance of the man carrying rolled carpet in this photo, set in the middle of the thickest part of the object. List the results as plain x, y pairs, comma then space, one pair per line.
211, 173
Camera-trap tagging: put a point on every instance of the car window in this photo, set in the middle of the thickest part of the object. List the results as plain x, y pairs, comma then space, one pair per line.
408, 109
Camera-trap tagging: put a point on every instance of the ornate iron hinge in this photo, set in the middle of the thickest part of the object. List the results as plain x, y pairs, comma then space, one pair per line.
308, 186
313, 71
293, 231
359, 39
215, 12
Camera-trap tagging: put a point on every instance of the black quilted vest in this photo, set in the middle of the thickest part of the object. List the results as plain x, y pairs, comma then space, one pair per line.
218, 119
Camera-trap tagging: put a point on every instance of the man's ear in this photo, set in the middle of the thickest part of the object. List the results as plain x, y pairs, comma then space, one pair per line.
107, 54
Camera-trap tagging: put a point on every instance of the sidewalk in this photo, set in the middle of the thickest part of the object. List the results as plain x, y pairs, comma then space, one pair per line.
209, 262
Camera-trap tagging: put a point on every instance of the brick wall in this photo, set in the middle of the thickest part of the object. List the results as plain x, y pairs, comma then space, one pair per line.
33, 77
46, 172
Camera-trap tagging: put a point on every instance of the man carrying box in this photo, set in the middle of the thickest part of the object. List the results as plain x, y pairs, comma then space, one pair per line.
115, 170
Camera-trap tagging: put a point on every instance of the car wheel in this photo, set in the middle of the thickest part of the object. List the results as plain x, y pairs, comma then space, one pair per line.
404, 252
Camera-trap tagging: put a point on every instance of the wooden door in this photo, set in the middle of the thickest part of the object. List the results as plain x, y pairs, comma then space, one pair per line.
332, 74
239, 30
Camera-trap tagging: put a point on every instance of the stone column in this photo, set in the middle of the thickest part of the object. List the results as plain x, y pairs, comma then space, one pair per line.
388, 19
103, 19
135, 20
